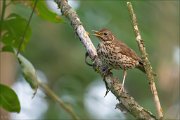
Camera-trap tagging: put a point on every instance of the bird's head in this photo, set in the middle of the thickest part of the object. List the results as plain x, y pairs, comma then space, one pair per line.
104, 35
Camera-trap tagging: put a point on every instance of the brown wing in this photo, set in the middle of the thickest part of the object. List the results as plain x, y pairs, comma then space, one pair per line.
125, 50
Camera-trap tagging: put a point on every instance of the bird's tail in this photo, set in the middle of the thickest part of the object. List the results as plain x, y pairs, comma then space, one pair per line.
141, 67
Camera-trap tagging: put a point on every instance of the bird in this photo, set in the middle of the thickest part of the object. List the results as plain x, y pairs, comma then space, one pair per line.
115, 54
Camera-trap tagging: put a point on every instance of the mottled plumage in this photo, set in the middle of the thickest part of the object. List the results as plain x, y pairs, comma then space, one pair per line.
115, 54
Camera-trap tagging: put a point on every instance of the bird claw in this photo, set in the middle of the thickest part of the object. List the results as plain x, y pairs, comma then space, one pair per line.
122, 89
106, 71
87, 55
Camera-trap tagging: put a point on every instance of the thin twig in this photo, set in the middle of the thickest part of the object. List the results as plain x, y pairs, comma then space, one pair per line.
26, 28
2, 17
113, 83
147, 64
53, 96
29, 73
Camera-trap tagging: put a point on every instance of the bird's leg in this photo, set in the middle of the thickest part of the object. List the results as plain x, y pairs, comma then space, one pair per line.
124, 77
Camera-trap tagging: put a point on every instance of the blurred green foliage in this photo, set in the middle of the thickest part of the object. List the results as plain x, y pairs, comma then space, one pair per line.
13, 26
56, 50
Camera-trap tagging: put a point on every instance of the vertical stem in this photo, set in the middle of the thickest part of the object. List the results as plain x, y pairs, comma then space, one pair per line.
2, 17
146, 62
26, 28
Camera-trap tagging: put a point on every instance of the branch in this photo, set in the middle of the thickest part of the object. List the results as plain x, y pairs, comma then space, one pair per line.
53, 96
112, 83
146, 62
2, 17
29, 74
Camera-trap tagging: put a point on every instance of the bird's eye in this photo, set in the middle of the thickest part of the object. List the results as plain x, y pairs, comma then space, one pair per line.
105, 33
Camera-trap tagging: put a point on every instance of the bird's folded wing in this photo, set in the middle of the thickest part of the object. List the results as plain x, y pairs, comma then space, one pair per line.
125, 50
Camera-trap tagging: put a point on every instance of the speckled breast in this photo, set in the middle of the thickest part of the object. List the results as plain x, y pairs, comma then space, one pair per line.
113, 58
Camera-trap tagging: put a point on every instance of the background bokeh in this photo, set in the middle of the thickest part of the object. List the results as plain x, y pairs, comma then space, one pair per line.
57, 53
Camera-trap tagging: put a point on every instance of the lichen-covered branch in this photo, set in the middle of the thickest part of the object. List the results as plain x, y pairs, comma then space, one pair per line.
147, 64
77, 25
113, 83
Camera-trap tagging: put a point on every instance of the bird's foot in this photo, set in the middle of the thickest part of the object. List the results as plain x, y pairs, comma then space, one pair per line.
122, 88
106, 71
86, 61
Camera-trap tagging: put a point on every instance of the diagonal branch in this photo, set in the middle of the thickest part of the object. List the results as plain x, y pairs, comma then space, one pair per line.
147, 64
113, 83
53, 96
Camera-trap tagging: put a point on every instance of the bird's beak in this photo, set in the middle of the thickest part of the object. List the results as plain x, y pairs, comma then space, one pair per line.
96, 33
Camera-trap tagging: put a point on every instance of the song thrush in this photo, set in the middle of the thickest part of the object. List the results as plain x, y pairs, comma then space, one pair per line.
115, 54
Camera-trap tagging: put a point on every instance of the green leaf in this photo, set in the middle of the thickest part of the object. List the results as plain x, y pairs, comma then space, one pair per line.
14, 27
41, 10
29, 72
9, 99
6, 39
44, 12
8, 48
